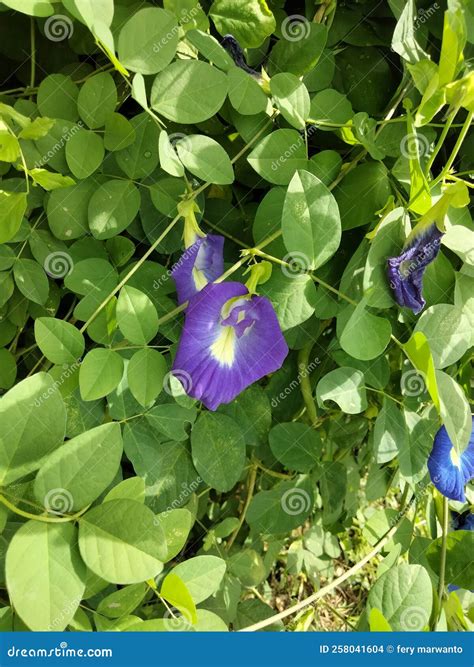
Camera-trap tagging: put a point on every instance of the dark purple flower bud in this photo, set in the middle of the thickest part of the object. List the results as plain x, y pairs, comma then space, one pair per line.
233, 48
405, 272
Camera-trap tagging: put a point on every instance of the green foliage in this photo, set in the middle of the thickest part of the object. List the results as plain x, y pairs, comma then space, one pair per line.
125, 505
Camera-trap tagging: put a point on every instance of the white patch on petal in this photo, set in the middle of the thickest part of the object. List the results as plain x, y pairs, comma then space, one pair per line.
223, 348
454, 456
199, 278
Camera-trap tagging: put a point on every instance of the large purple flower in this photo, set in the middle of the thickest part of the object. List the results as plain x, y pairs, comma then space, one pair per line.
405, 272
450, 471
230, 339
201, 263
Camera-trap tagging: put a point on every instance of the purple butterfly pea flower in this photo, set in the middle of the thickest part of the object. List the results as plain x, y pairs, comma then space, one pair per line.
450, 471
201, 263
230, 339
405, 272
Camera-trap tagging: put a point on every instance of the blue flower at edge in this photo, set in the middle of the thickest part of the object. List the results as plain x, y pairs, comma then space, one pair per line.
406, 271
449, 471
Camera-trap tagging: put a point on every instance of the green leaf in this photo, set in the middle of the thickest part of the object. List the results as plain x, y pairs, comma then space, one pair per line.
362, 193
459, 549
448, 332
311, 225
455, 411
176, 593
84, 153
345, 386
122, 602
171, 420
330, 107
296, 445
418, 352
147, 42
79, 471
119, 132
140, 158
121, 542
97, 99
245, 94
57, 97
293, 298
32, 425
132, 488
8, 368
59, 341
206, 159
100, 373
176, 524
136, 316
67, 210
404, 41
291, 98
210, 49
146, 371
378, 622
285, 507
218, 450
40, 8
31, 280
249, 21
12, 210
201, 575
50, 181
112, 208
278, 156
301, 47
43, 564
169, 160
189, 91
390, 432
9, 146
361, 334
404, 595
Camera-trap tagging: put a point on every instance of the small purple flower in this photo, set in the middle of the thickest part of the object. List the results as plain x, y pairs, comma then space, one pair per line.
200, 264
450, 471
230, 340
405, 272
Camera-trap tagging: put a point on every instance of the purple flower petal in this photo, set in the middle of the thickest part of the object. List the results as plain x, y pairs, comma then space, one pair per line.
449, 471
201, 263
405, 272
229, 341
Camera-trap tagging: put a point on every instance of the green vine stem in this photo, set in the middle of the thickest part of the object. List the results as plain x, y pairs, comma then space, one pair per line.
40, 517
305, 383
